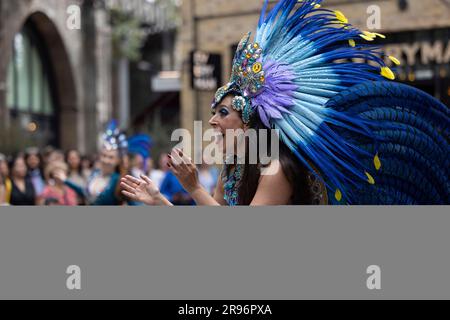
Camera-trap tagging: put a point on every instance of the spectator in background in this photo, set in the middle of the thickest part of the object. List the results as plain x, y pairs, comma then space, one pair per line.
206, 177
157, 175
86, 166
2, 192
75, 173
55, 156
56, 192
4, 170
102, 185
34, 164
46, 153
137, 165
6, 184
22, 191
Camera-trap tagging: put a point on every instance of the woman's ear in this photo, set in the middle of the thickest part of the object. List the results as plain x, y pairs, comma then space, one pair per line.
246, 126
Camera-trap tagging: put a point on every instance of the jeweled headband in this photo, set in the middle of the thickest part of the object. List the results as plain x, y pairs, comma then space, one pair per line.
247, 78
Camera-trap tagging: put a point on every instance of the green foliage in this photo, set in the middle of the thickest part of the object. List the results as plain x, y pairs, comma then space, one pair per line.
127, 34
173, 10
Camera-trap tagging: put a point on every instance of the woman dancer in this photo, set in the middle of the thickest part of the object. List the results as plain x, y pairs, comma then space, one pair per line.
342, 126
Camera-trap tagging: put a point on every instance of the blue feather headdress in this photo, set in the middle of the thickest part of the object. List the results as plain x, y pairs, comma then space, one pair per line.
301, 57
114, 139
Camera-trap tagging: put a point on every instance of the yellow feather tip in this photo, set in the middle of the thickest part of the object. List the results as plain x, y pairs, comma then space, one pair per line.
377, 162
394, 60
366, 37
380, 35
387, 73
370, 36
370, 179
340, 16
338, 195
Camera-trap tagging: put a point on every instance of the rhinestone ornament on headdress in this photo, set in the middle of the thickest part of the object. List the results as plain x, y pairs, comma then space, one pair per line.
247, 78
247, 70
114, 139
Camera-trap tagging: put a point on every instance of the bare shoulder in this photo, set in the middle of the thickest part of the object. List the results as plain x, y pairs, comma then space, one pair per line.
274, 187
272, 172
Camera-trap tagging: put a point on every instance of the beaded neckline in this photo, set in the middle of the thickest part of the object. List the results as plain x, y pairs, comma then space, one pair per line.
230, 180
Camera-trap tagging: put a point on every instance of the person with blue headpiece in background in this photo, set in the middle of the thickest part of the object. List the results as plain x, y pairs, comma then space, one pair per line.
102, 187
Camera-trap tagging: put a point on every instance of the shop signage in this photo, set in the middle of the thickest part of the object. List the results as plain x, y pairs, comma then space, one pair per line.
206, 72
422, 53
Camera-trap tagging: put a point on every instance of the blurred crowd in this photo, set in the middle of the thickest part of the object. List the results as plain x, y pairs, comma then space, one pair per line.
53, 177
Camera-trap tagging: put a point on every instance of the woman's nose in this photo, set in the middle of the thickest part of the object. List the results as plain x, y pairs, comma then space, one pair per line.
213, 121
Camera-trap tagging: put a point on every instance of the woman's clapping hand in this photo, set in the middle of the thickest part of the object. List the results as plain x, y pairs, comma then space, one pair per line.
141, 190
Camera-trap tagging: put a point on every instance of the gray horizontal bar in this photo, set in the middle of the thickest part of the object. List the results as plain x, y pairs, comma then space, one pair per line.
224, 253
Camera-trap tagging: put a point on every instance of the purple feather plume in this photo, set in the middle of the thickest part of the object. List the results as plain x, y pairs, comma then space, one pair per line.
276, 96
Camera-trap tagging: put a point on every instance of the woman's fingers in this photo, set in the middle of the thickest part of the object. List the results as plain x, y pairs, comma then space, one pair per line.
175, 166
176, 158
147, 179
184, 157
170, 163
180, 152
132, 181
174, 169
180, 159
129, 183
128, 187
129, 195
180, 163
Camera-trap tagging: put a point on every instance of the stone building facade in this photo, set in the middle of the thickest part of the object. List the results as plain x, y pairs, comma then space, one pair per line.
74, 61
216, 26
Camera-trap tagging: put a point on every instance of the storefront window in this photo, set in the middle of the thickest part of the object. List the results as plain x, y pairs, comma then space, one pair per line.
22, 69
425, 60
30, 97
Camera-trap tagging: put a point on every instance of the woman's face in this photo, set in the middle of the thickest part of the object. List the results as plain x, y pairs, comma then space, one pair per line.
138, 162
4, 170
224, 118
73, 160
86, 163
109, 160
56, 156
19, 169
33, 161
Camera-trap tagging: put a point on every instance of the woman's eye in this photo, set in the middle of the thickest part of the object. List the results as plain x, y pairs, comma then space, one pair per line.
223, 111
